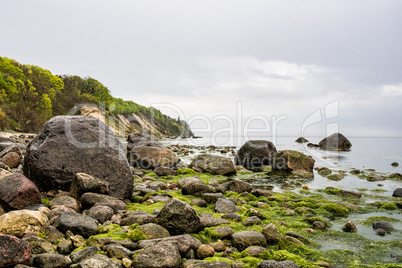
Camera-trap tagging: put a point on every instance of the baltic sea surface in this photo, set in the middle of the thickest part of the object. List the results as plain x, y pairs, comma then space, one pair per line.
366, 154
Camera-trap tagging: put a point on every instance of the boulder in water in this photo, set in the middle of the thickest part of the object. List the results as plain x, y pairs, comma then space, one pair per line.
335, 142
255, 154
301, 140
178, 217
292, 161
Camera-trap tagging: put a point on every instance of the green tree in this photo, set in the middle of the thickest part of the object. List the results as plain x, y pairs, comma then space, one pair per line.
46, 106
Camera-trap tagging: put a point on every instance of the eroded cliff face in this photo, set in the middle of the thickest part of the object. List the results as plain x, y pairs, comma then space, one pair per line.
123, 124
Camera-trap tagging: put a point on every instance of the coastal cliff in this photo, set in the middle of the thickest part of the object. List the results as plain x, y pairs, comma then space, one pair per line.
31, 95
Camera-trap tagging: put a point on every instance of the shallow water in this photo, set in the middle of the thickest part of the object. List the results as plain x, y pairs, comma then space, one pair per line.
366, 153
367, 231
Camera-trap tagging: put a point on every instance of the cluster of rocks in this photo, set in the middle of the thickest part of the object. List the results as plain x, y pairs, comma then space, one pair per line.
144, 151
56, 234
75, 176
76, 179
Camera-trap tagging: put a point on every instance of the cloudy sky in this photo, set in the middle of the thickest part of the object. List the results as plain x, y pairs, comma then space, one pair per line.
283, 67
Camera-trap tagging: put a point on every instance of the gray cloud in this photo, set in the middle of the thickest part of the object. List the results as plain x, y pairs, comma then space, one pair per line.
276, 57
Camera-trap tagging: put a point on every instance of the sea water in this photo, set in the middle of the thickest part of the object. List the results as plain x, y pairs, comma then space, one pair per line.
366, 154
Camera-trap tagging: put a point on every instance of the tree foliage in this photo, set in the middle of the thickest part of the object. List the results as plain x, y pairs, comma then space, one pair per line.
31, 95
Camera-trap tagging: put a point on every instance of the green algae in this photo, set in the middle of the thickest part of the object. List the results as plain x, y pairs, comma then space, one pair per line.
336, 210
389, 206
186, 171
371, 220
216, 259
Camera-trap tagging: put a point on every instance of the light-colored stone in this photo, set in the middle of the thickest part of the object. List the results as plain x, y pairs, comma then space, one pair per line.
20, 222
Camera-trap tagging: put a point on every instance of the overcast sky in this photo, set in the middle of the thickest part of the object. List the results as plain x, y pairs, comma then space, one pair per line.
252, 64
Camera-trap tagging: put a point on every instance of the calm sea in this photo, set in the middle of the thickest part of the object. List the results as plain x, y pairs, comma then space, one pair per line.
366, 153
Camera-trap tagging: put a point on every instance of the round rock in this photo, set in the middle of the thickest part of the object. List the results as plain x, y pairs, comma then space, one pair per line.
245, 239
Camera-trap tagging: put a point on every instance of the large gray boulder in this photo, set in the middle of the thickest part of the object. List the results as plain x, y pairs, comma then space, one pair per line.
68, 145
213, 164
335, 142
255, 154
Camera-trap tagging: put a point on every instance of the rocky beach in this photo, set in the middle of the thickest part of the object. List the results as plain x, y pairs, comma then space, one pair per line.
75, 196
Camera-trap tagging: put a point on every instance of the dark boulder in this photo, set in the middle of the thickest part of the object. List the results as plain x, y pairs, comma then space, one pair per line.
335, 142
213, 164
397, 192
51, 260
17, 192
76, 223
178, 218
14, 251
383, 225
255, 154
292, 161
68, 145
301, 140
148, 157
